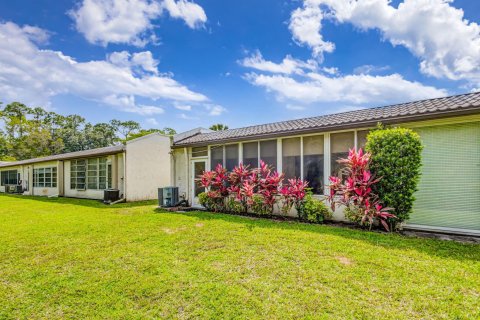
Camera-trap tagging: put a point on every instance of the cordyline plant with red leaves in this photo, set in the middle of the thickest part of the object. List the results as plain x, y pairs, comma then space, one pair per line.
215, 182
355, 192
268, 182
294, 193
242, 188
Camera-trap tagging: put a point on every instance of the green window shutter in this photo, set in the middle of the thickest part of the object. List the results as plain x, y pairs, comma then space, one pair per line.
449, 190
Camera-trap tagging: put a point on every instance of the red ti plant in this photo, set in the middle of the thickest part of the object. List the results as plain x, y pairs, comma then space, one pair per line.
215, 182
293, 194
355, 192
268, 184
240, 186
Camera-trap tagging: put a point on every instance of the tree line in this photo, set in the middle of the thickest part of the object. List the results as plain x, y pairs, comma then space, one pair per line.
34, 132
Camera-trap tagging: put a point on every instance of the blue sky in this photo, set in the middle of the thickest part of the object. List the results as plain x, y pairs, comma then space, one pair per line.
186, 64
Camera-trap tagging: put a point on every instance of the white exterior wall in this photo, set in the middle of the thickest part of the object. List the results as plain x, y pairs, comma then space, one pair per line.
148, 166
181, 173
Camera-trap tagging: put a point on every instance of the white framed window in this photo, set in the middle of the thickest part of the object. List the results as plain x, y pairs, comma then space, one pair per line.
216, 156
45, 177
97, 174
268, 152
231, 156
291, 157
78, 174
340, 144
199, 152
9, 177
250, 154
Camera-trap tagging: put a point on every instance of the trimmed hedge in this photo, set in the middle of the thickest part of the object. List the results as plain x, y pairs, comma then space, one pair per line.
396, 159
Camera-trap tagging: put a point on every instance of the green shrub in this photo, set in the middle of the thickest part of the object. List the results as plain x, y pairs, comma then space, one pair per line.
396, 159
313, 210
235, 206
204, 200
210, 203
354, 215
258, 205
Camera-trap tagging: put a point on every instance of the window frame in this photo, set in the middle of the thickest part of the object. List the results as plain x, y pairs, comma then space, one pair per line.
53, 177
5, 177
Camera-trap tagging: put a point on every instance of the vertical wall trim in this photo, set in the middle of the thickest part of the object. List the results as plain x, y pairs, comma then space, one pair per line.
114, 177
327, 160
185, 151
240, 153
355, 139
259, 157
124, 174
301, 158
279, 155
60, 178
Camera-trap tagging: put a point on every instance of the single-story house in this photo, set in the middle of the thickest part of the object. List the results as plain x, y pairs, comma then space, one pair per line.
448, 198
137, 169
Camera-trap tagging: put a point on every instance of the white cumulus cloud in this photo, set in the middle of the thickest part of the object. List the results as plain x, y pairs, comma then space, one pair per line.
307, 85
214, 109
130, 21
34, 76
289, 65
447, 45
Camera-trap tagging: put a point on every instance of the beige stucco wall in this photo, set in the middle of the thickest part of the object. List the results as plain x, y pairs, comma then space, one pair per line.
148, 166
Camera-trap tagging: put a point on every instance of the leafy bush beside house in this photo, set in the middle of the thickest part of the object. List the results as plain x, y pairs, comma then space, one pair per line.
353, 189
258, 191
396, 158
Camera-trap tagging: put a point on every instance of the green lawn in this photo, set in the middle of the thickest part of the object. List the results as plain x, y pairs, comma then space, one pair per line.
66, 258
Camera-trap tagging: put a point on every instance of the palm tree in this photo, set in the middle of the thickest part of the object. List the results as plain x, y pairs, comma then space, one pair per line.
219, 127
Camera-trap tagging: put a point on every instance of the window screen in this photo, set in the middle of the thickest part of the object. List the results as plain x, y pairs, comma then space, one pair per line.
78, 174
199, 152
291, 158
268, 152
250, 154
340, 144
9, 177
313, 162
97, 174
231, 156
45, 177
216, 156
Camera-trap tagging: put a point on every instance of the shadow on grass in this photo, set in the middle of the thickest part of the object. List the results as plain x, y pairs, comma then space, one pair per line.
393, 241
81, 202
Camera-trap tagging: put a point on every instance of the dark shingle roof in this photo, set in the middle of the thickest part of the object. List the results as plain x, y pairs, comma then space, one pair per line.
410, 111
70, 155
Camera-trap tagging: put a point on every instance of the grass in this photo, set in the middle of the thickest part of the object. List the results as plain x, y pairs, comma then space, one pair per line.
70, 258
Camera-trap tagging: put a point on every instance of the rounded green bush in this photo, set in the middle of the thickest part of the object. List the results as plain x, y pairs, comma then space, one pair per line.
396, 159
313, 210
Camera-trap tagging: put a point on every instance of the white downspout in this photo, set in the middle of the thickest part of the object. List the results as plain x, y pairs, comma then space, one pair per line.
125, 174
187, 175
